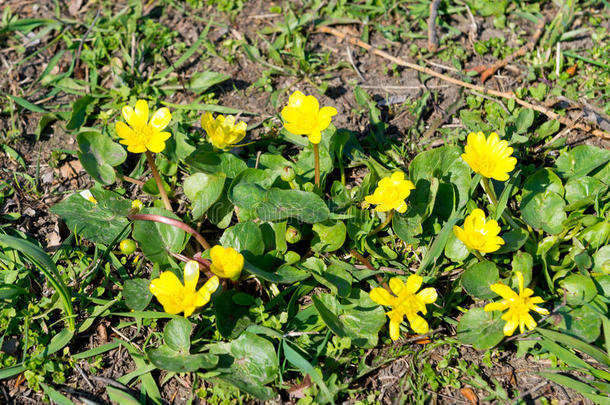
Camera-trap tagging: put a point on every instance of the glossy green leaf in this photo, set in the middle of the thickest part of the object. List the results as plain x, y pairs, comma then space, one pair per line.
481, 329
103, 222
328, 236
203, 190
245, 237
545, 210
155, 238
177, 335
477, 279
137, 294
581, 160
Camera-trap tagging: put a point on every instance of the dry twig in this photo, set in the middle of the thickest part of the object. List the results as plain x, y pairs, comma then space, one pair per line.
432, 39
507, 95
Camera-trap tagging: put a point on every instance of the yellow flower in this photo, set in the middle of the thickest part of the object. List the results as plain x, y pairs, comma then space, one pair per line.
303, 116
177, 297
223, 131
226, 262
518, 306
86, 194
479, 234
137, 205
406, 301
391, 193
142, 135
490, 157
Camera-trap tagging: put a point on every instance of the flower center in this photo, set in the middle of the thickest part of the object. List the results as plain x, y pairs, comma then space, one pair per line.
521, 305
477, 239
409, 304
486, 164
143, 133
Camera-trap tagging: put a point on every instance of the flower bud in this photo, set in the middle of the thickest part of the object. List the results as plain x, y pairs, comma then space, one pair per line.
287, 174
127, 246
293, 235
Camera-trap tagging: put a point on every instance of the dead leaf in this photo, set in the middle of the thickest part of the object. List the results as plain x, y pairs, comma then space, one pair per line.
74, 7
298, 390
469, 394
572, 69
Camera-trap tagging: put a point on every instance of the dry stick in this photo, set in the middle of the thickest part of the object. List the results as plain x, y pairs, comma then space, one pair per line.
160, 186
369, 266
432, 39
518, 53
507, 95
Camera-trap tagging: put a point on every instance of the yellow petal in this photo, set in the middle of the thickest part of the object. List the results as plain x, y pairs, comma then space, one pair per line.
509, 327
503, 291
396, 285
191, 275
418, 324
394, 330
155, 145
128, 114
123, 131
315, 137
496, 306
540, 310
414, 282
427, 295
141, 111
381, 296
160, 118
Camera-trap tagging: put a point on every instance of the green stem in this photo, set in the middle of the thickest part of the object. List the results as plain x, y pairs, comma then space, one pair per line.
160, 186
316, 157
478, 255
492, 198
382, 225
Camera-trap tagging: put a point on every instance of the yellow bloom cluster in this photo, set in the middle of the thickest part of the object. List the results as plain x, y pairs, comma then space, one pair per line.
406, 301
490, 157
142, 135
303, 116
223, 131
479, 234
518, 305
391, 193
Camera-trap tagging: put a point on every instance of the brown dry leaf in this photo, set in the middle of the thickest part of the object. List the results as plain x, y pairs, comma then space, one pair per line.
74, 6
572, 70
297, 390
469, 394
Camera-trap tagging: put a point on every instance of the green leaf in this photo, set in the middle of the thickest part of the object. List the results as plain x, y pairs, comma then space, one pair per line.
545, 211
177, 335
481, 329
27, 105
155, 238
137, 294
295, 358
582, 188
48, 268
524, 120
582, 322
203, 190
278, 205
581, 160
231, 319
541, 181
601, 260
56, 396
568, 382
119, 396
477, 279
356, 317
579, 289
201, 81
99, 154
79, 112
513, 240
577, 344
11, 291
596, 235
335, 277
249, 363
207, 160
444, 163
328, 236
245, 237
103, 222
548, 128
168, 359
455, 249
523, 262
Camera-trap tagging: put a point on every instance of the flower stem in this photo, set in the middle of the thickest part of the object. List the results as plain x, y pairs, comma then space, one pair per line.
172, 222
316, 157
492, 197
160, 186
382, 225
478, 255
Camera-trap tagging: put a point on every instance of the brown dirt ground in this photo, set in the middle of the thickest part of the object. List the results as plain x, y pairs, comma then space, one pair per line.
63, 174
